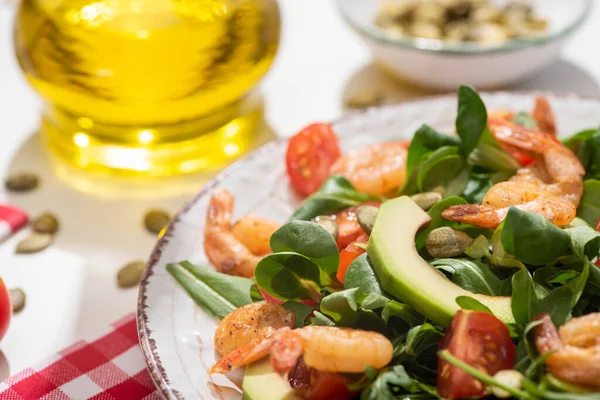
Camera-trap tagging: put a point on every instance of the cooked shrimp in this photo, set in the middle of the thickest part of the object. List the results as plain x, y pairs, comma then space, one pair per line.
576, 356
543, 116
330, 349
224, 249
255, 233
247, 334
551, 187
377, 169
502, 114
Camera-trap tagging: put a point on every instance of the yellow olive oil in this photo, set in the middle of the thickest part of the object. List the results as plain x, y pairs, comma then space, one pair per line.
154, 86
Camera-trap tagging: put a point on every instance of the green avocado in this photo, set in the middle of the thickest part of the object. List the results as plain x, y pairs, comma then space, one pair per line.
407, 276
262, 383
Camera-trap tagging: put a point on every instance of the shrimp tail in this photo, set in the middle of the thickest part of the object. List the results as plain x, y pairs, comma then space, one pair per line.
286, 351
543, 116
220, 210
475, 214
253, 350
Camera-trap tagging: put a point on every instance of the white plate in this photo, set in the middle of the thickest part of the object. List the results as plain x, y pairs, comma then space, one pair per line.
175, 334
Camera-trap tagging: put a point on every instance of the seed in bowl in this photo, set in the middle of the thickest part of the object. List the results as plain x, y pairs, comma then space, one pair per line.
478, 21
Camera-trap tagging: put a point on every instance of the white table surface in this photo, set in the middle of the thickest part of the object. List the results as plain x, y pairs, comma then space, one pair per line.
71, 287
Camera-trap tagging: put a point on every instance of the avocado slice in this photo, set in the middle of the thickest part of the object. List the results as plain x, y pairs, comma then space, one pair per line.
407, 276
262, 383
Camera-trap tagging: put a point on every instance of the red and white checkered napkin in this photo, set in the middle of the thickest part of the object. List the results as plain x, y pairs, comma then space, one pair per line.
109, 368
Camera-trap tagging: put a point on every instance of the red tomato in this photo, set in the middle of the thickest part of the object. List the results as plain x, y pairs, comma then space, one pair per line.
274, 300
521, 157
349, 254
480, 340
312, 384
348, 228
5, 309
310, 154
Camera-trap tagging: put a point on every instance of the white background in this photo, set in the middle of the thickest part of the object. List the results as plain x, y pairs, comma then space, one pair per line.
71, 287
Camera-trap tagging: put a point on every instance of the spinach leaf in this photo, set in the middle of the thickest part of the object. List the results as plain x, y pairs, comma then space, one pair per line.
310, 240
301, 310
586, 145
471, 119
391, 308
500, 258
426, 140
525, 298
457, 185
479, 248
585, 240
320, 319
336, 194
470, 303
440, 168
531, 238
217, 293
419, 350
471, 275
395, 383
525, 119
589, 208
289, 276
342, 306
360, 275
493, 157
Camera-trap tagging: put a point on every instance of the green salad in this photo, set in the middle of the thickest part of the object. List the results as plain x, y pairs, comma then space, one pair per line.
457, 265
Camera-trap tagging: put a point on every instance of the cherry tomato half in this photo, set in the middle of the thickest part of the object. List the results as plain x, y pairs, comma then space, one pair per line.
349, 254
5, 309
480, 340
312, 384
310, 154
348, 228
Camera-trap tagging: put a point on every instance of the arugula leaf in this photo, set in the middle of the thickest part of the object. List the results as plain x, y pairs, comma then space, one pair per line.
531, 238
289, 276
334, 195
395, 383
441, 167
525, 119
360, 274
309, 239
471, 275
419, 350
470, 303
217, 293
471, 119
425, 140
589, 208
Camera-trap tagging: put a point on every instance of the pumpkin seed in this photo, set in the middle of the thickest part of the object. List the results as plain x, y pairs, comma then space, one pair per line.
22, 182
131, 274
366, 216
18, 299
156, 220
328, 223
46, 223
34, 243
446, 242
426, 200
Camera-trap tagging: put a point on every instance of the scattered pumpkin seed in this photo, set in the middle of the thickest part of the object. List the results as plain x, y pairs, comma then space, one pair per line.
18, 299
446, 242
46, 223
22, 182
328, 223
364, 99
34, 243
131, 274
156, 220
426, 200
366, 216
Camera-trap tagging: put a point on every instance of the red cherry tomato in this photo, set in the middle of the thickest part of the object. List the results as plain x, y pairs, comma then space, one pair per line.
349, 254
5, 309
348, 228
312, 384
310, 154
480, 340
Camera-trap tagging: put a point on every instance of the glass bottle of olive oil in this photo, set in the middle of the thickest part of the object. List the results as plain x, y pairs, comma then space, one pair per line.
157, 87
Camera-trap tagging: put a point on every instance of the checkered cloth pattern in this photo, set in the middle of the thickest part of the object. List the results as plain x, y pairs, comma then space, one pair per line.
110, 367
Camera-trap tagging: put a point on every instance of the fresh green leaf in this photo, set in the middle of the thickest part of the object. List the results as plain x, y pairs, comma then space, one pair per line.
493, 157
360, 275
336, 194
217, 293
589, 208
396, 383
289, 276
301, 310
440, 168
391, 308
563, 277
255, 294
426, 140
419, 350
470, 303
586, 145
471, 119
456, 186
319, 319
585, 240
525, 119
310, 240
500, 258
479, 248
531, 238
342, 306
525, 299
471, 275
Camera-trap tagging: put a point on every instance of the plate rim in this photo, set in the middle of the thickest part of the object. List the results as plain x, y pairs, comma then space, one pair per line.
147, 344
